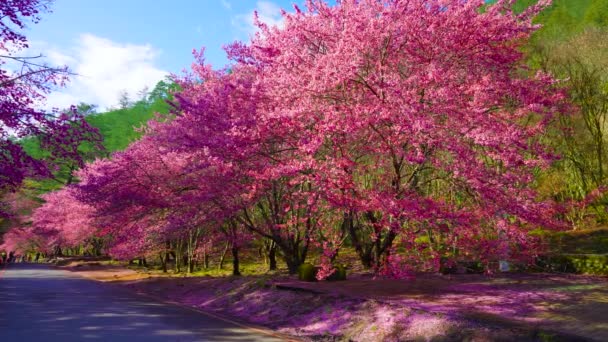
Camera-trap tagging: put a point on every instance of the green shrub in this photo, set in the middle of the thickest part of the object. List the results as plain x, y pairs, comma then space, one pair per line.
596, 264
307, 272
423, 239
339, 274
582, 241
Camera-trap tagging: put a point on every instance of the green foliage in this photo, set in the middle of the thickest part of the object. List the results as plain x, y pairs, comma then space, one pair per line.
546, 337
307, 272
564, 18
558, 21
595, 264
597, 13
587, 241
339, 274
578, 251
120, 127
423, 239
571, 45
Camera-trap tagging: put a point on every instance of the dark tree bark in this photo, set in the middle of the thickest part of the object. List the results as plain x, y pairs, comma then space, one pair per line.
235, 261
223, 257
272, 256
163, 261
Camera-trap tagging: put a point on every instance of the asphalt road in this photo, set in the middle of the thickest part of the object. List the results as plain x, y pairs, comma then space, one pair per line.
41, 303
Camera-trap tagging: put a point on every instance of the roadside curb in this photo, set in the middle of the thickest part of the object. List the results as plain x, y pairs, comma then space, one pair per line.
256, 328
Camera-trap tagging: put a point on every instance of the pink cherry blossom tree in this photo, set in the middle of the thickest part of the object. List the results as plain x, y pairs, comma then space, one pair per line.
407, 129
416, 118
64, 221
24, 83
239, 155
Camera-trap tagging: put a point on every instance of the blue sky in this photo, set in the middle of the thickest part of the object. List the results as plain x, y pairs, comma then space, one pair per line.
126, 45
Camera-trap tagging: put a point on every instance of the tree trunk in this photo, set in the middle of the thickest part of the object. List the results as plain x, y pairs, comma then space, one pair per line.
186, 262
191, 264
294, 253
97, 246
383, 247
292, 265
189, 253
163, 261
206, 259
223, 257
364, 251
178, 256
235, 261
293, 259
272, 256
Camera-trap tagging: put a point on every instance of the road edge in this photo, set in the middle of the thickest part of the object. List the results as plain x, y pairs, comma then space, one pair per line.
252, 327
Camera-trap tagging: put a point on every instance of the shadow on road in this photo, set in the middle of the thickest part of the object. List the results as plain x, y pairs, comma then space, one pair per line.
38, 302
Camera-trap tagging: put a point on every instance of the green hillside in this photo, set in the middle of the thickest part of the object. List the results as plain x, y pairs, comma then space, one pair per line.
567, 17
118, 127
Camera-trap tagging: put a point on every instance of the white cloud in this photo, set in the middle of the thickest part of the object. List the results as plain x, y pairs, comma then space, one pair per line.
226, 4
104, 68
268, 13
